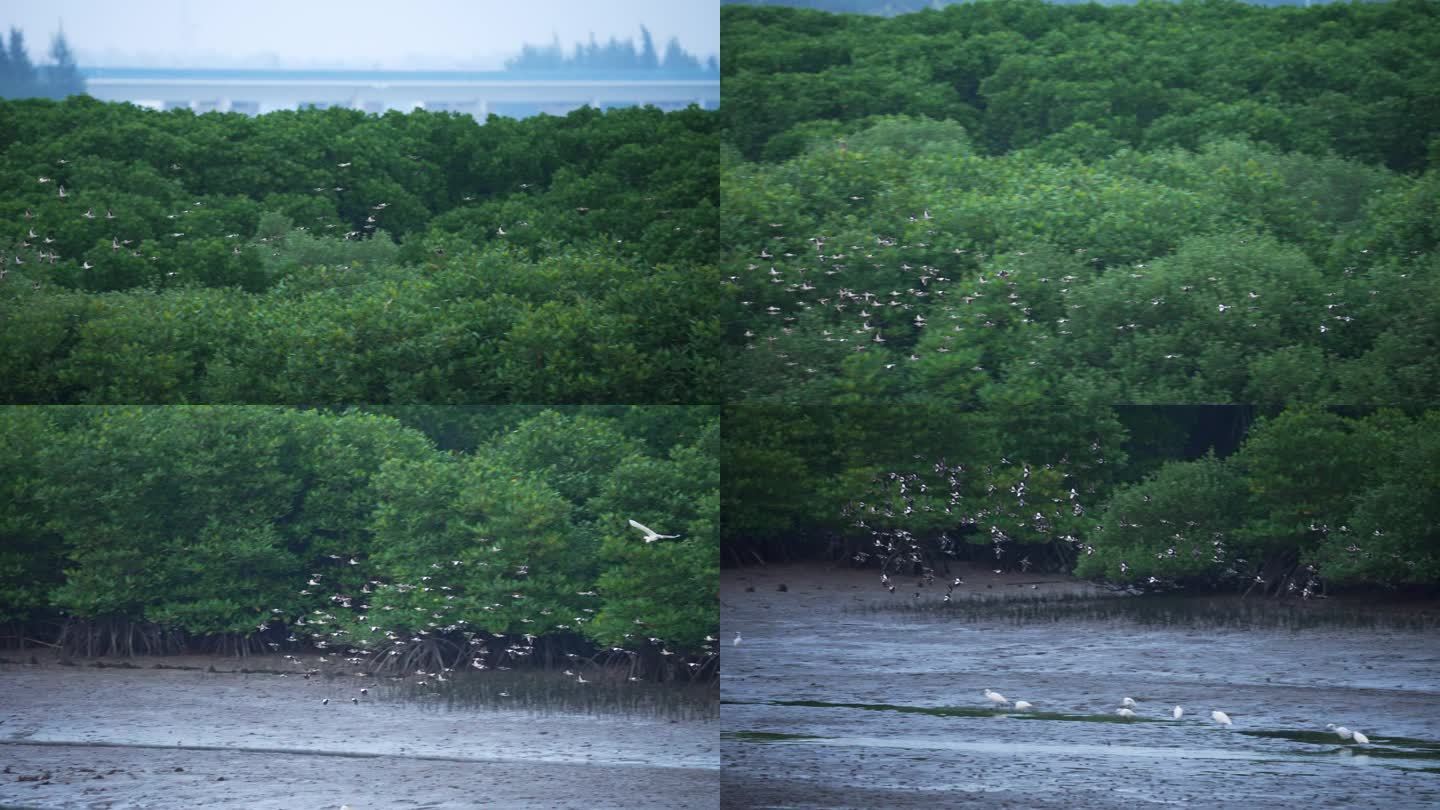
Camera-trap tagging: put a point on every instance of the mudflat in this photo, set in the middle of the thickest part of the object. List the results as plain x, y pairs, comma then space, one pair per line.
842, 694
81, 736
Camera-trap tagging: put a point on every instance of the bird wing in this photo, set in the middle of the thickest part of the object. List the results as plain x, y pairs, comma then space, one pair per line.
642, 527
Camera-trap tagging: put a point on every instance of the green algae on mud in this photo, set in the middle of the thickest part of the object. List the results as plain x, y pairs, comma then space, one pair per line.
767, 736
961, 711
1384, 747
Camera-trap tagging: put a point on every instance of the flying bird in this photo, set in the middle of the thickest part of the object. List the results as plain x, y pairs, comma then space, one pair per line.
650, 534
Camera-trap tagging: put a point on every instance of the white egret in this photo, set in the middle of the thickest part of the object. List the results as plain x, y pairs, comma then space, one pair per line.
736, 642
996, 697
650, 534
1124, 712
1344, 732
1023, 706
1177, 713
1220, 717
1128, 703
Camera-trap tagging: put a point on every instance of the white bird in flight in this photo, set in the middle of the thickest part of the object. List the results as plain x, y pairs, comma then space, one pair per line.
650, 534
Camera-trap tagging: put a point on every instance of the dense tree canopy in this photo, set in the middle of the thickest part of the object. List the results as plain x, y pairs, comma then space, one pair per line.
334, 256
1006, 202
352, 529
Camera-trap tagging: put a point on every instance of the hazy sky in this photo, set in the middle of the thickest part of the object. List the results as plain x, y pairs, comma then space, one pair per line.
392, 34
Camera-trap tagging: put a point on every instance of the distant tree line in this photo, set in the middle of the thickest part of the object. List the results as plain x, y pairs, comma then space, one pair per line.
613, 55
21, 78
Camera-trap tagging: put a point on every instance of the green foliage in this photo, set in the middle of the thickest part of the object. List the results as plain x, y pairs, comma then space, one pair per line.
216, 520
30, 553
396, 258
1313, 497
669, 588
1146, 496
1175, 525
1008, 203
1352, 78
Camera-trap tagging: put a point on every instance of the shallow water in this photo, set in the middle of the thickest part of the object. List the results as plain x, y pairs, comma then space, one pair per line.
840, 697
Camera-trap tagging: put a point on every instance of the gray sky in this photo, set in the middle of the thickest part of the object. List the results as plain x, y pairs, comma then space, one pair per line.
388, 34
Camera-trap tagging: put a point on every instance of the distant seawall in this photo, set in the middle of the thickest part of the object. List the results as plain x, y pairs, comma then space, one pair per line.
474, 93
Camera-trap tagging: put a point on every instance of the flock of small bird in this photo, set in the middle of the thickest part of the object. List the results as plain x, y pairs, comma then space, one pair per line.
1014, 501
816, 294
34, 246
1128, 706
45, 254
387, 648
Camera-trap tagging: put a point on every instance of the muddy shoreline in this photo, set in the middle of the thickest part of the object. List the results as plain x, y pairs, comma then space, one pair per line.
111, 738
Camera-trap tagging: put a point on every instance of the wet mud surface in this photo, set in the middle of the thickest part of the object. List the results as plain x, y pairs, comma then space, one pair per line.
78, 737
843, 695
